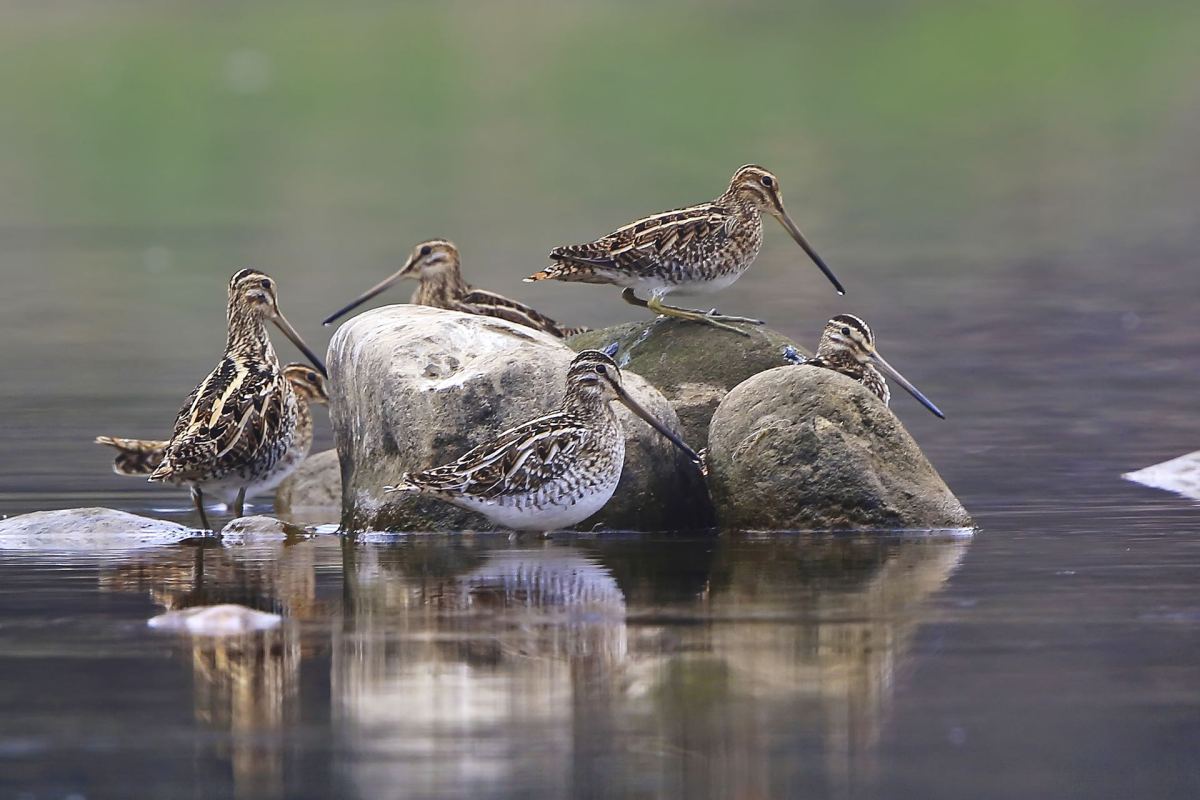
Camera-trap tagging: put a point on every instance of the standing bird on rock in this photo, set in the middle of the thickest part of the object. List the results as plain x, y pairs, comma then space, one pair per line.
436, 266
240, 422
848, 346
140, 457
554, 471
702, 248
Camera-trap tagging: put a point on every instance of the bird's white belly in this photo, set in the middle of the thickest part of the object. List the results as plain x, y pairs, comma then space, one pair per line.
548, 515
702, 287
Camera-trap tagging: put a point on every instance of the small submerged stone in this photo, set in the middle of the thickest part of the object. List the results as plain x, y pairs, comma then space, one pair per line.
222, 620
1179, 475
261, 527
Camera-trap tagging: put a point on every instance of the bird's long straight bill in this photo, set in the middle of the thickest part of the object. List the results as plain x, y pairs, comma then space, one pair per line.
290, 332
808, 248
908, 387
636, 408
374, 290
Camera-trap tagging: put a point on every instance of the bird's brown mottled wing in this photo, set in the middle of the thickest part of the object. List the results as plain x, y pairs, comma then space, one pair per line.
522, 459
495, 305
233, 413
655, 244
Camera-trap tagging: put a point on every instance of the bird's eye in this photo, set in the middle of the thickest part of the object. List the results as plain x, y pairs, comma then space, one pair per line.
312, 377
601, 369
426, 250
845, 331
767, 181
266, 283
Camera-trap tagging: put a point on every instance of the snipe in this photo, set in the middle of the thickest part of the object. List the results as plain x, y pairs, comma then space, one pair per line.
701, 248
140, 457
551, 472
436, 266
239, 423
848, 346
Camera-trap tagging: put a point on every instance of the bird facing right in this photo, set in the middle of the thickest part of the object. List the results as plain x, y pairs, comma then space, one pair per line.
553, 471
701, 248
238, 424
848, 346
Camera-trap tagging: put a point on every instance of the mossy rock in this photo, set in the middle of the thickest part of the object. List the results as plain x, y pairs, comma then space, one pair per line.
694, 365
804, 448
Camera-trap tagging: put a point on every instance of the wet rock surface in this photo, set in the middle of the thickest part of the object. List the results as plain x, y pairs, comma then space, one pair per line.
801, 448
89, 529
415, 387
316, 483
692, 364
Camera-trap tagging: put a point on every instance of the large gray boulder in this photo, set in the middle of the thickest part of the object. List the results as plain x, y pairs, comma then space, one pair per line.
413, 387
803, 448
89, 529
316, 483
692, 364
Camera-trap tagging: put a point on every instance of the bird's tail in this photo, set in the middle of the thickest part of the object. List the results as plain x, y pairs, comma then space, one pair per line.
135, 457
405, 486
548, 274
570, 270
569, 331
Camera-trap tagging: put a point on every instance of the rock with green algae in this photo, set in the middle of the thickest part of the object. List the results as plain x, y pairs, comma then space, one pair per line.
802, 448
694, 365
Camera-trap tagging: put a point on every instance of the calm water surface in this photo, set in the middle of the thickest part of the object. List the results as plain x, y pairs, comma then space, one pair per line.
1008, 192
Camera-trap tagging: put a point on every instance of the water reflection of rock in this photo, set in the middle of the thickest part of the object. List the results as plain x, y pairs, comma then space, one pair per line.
245, 685
451, 655
739, 667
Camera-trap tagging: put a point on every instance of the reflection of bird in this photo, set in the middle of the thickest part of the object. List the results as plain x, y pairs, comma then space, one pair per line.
239, 423
700, 248
554, 471
436, 266
848, 346
139, 457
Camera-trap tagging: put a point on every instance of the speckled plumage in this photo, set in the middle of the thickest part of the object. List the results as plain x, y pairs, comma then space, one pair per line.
703, 248
140, 457
239, 423
436, 265
848, 346
551, 472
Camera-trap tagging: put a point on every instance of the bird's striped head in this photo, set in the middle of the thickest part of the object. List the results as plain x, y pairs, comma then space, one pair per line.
847, 335
254, 291
430, 258
307, 383
759, 187
593, 370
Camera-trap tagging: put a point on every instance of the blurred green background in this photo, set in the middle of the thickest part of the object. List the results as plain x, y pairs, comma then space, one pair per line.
949, 159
